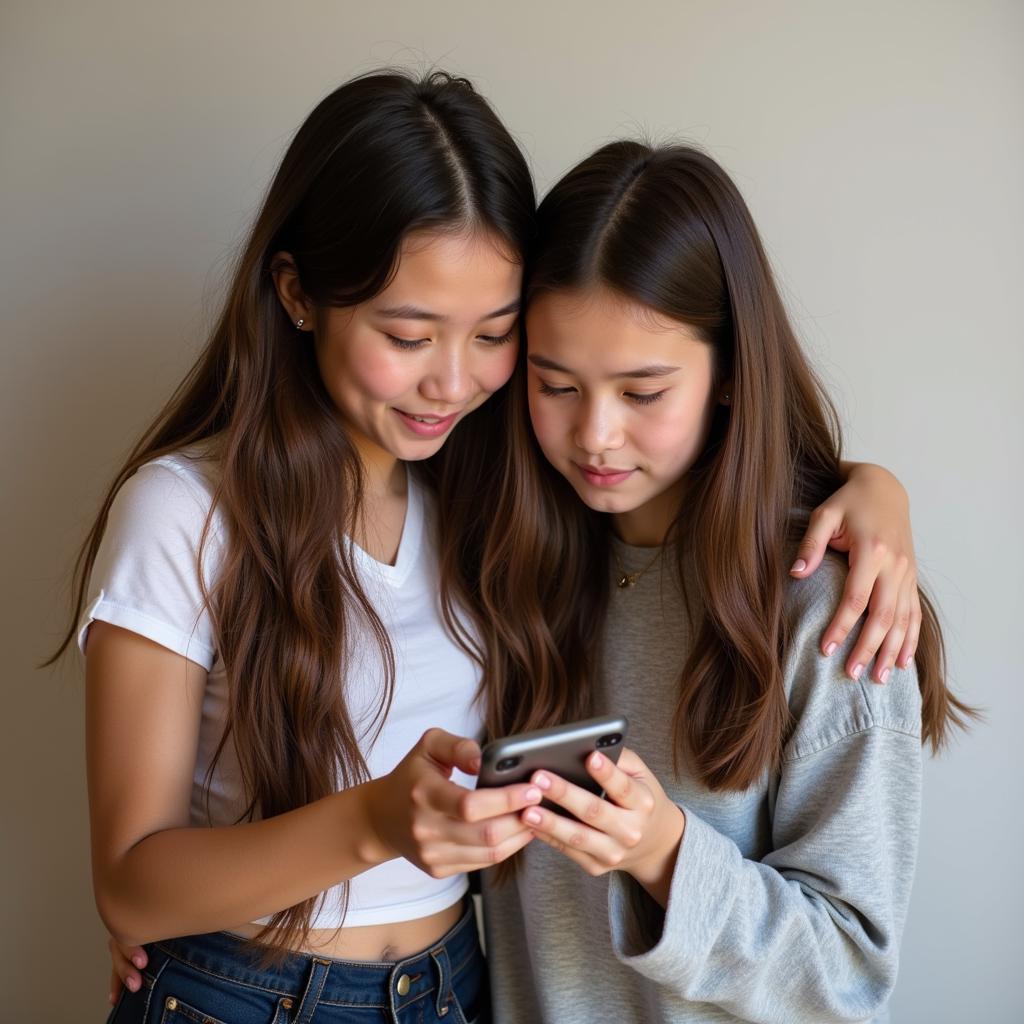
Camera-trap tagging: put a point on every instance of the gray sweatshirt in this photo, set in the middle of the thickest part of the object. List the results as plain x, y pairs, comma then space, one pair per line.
788, 899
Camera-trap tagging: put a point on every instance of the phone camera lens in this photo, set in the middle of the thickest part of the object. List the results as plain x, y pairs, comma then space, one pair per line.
610, 740
507, 763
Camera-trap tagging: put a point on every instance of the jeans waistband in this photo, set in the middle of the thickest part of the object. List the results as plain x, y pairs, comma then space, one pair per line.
344, 982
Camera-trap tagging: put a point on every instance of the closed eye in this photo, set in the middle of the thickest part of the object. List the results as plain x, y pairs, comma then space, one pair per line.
499, 339
644, 399
547, 389
406, 344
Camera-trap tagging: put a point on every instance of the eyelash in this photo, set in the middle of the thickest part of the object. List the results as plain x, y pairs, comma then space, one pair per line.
646, 399
547, 389
406, 344
411, 344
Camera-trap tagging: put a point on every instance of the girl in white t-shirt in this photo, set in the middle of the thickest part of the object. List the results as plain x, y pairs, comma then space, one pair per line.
281, 714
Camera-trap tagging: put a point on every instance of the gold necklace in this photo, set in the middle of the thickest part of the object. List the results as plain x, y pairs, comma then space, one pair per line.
630, 579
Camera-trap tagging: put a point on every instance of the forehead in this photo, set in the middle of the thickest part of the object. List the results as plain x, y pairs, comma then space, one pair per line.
458, 275
602, 323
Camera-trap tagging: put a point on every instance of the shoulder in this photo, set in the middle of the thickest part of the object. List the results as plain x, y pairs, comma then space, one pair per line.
173, 491
826, 704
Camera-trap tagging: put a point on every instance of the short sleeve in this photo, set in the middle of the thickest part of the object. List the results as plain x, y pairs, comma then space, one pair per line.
146, 577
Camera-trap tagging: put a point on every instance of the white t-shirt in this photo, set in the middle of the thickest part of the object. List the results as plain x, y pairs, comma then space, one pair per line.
146, 579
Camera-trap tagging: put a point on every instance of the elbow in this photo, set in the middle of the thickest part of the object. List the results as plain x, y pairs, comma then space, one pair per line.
119, 917
867, 991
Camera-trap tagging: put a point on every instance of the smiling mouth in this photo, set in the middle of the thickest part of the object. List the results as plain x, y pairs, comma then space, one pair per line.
426, 425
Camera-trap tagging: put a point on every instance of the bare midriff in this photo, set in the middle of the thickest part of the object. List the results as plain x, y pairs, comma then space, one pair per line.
375, 942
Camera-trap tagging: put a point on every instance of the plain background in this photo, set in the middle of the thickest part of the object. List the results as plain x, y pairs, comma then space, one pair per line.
881, 147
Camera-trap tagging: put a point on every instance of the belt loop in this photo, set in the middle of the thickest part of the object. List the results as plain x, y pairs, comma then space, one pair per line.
315, 985
444, 979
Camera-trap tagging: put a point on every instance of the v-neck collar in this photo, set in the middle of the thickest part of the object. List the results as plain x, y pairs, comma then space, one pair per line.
408, 546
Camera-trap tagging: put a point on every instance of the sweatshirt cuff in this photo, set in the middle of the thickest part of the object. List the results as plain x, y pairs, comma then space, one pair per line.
660, 943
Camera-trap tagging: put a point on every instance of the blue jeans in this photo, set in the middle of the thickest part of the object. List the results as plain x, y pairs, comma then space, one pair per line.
212, 979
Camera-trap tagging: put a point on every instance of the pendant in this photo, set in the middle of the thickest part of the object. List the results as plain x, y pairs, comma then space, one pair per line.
628, 579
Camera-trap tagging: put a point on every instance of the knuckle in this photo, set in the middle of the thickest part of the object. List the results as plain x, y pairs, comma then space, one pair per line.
632, 839
421, 832
857, 601
615, 858
901, 563
903, 620
592, 810
489, 834
576, 839
464, 806
647, 803
878, 547
885, 616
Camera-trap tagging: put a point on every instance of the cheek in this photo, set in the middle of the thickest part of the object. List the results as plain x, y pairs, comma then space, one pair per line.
548, 422
369, 374
496, 368
675, 439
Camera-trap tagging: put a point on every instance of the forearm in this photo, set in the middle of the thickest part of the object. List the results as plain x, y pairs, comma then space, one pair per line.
824, 910
184, 881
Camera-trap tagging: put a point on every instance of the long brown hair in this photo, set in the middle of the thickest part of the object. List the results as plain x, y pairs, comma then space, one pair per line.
668, 229
381, 156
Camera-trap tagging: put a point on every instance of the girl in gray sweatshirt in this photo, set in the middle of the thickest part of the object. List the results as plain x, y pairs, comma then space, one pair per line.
753, 857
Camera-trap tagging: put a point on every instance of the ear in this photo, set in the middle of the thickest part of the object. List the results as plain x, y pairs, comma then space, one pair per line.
289, 291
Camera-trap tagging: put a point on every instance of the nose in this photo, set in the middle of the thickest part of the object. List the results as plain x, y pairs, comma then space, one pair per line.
597, 428
449, 379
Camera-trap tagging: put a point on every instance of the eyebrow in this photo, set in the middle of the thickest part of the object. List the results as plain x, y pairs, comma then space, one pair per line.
655, 370
417, 313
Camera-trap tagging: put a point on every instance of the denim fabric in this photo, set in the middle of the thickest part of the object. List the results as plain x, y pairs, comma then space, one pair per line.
212, 979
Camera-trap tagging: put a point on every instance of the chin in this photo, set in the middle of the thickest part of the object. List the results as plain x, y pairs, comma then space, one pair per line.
419, 452
603, 502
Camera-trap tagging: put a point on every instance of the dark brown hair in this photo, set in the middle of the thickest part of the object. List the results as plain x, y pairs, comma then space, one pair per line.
382, 156
667, 228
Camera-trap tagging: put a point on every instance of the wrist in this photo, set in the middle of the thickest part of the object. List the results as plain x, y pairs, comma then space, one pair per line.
371, 848
654, 872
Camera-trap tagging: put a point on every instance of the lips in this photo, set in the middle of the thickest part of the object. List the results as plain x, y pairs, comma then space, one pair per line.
604, 476
426, 424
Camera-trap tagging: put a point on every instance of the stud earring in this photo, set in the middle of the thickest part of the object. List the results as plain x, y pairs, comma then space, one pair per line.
299, 323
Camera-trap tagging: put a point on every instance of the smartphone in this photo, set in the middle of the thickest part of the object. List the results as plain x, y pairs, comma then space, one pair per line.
562, 749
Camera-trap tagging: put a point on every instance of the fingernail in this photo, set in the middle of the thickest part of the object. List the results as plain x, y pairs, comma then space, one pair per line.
596, 759
799, 565
533, 794
542, 780
139, 961
831, 649
132, 984
884, 678
533, 817
474, 764
857, 670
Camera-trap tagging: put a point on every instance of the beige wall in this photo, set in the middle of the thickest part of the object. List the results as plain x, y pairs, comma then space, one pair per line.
881, 147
